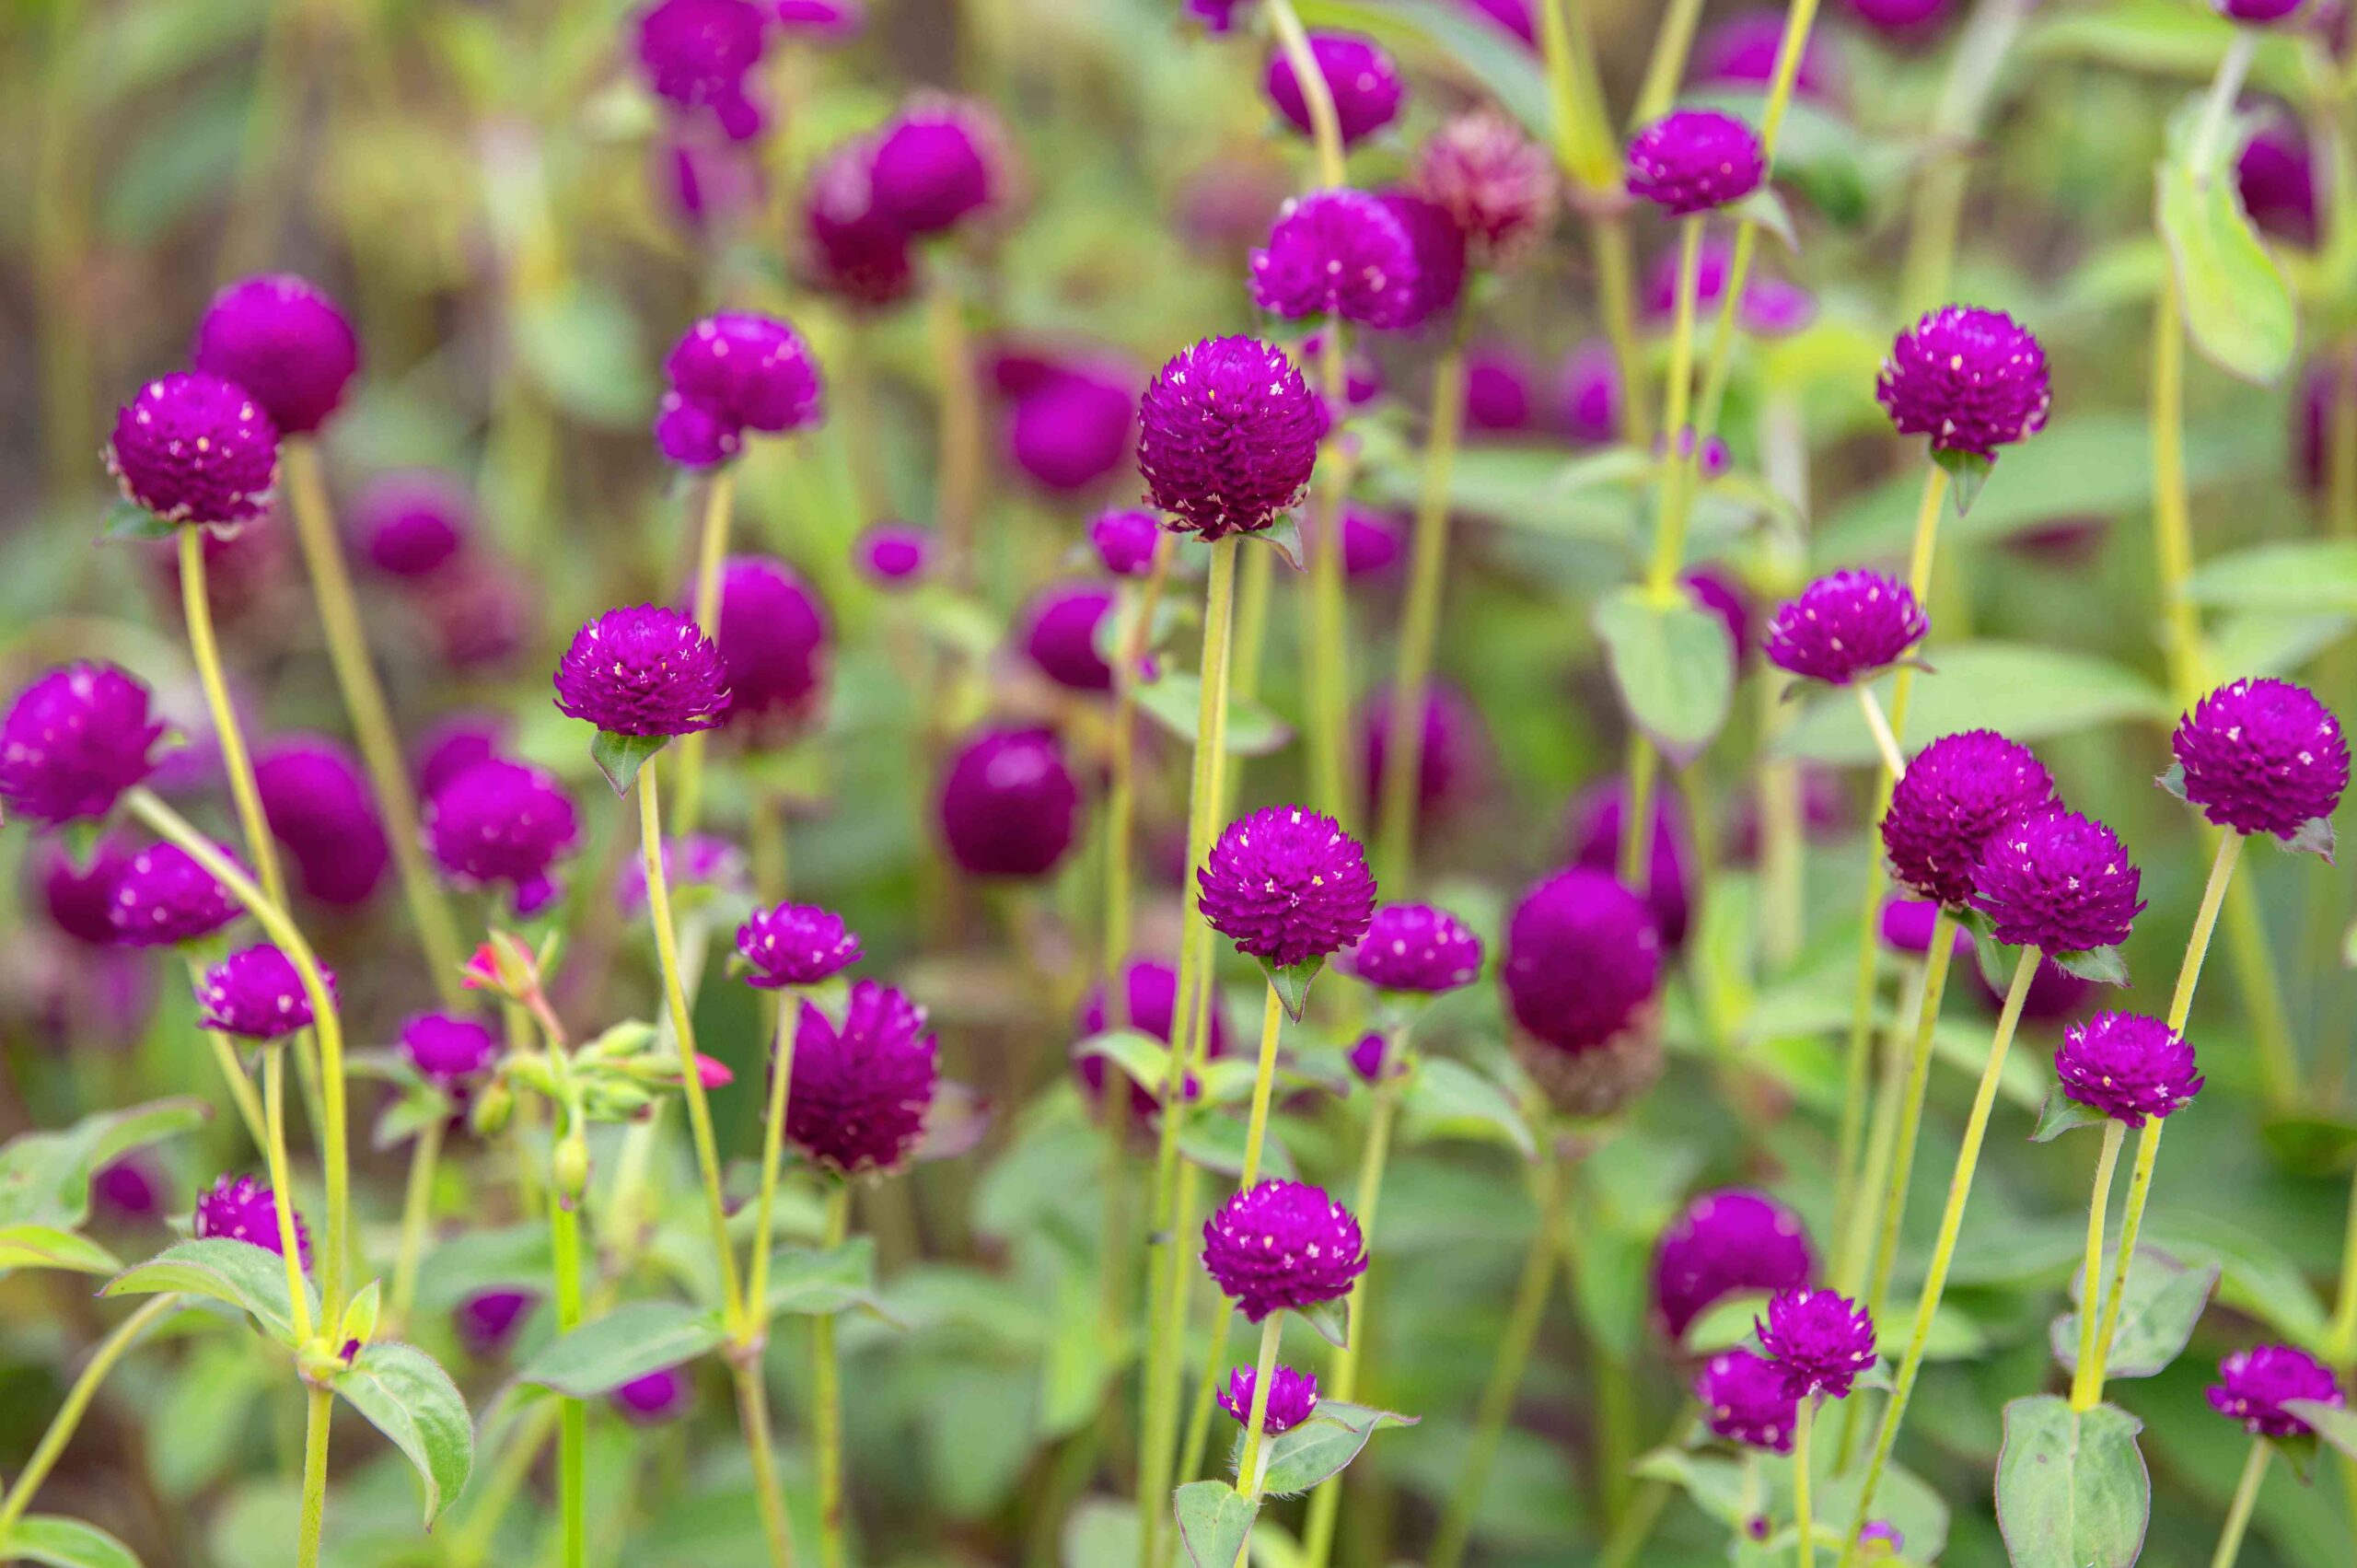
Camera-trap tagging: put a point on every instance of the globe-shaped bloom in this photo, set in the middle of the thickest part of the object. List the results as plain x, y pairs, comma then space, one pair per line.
1819, 1341
320, 806
450, 745
1600, 818
409, 526
1008, 805
1361, 78
1371, 542
1694, 159
257, 993
773, 640
699, 54
1741, 51
748, 371
1059, 628
1972, 380
1901, 17
281, 339
488, 1322
1293, 1398
1069, 421
1727, 1243
1150, 997
854, 250
1437, 247
2262, 756
128, 1190
2256, 10
2276, 173
861, 1091
1745, 1400
2254, 1385
193, 448
242, 1209
500, 822
1581, 959
2059, 882
1844, 626
1283, 1245
72, 741
657, 1398
1453, 763
643, 670
1497, 390
1337, 253
446, 1049
77, 892
935, 164
1417, 948
1125, 542
163, 898
1227, 434
792, 943
1590, 395
1958, 793
1287, 884
1496, 183
894, 555
2128, 1066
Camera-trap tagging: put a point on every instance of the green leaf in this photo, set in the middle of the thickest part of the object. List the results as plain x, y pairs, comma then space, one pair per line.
47, 1246
2063, 1114
1329, 1320
2020, 690
1445, 1098
1100, 1530
2072, 1488
2291, 576
1216, 1141
239, 1273
2334, 1423
2102, 965
1301, 1457
2238, 308
45, 1176
360, 1316
1765, 208
580, 343
814, 1282
1291, 982
407, 1396
1175, 700
628, 1343
1591, 497
63, 1543
1968, 471
620, 756
1146, 1059
127, 520
1673, 664
2164, 1301
1214, 1520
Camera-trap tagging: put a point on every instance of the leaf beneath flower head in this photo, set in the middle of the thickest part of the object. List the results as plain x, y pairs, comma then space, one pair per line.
2102, 965
1303, 1456
60, 1542
127, 520
620, 756
2072, 1488
1968, 471
2063, 1114
1291, 982
1214, 1520
407, 1396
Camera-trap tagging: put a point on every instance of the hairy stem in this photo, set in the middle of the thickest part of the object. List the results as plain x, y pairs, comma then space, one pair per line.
2230, 1539
2086, 1381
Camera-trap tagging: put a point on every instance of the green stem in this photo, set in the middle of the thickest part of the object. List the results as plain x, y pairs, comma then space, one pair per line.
233, 1075
1122, 796
712, 549
318, 1409
417, 1207
1937, 962
1856, 1239
1803, 1526
1975, 1129
1264, 1373
76, 1404
1327, 639
1325, 124
959, 459
2172, 514
282, 1182
1403, 757
1893, 762
2230, 1539
755, 1327
2342, 1337
1635, 1526
1342, 1380
2086, 1382
565, 1235
753, 1416
1663, 68
827, 1400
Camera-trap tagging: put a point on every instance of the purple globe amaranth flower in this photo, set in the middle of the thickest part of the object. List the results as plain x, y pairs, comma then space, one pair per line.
1070, 421
699, 54
1125, 542
657, 1397
453, 743
163, 898
1693, 159
1417, 948
1008, 804
1150, 994
281, 339
1906, 925
2254, 1385
488, 1322
894, 555
855, 251
1497, 390
1958, 793
2128, 1066
1283, 1245
1590, 395
74, 740
794, 945
242, 1209
1361, 78
2256, 10
1437, 247
2262, 756
1371, 1058
128, 1190
1845, 626
2276, 173
1901, 17
1371, 542
1819, 1341
1496, 184
1338, 253
1452, 764
1600, 818
1287, 885
751, 372
409, 526
79, 895
2059, 882
193, 448
501, 821
257, 993
1293, 1398
1060, 634
1583, 960
1742, 51
1972, 380
939, 161
1744, 1401
699, 866
319, 805
773, 639
643, 670
446, 1049
861, 1091
1227, 436
1724, 1244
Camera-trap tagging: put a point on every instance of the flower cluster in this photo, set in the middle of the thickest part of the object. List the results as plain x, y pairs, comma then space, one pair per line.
72, 741
193, 448
1340, 254
500, 822
1724, 1244
1149, 1004
1287, 885
729, 374
1009, 806
1958, 793
257, 993
1693, 160
242, 1209
1745, 1400
2255, 1384
1581, 959
940, 162
282, 340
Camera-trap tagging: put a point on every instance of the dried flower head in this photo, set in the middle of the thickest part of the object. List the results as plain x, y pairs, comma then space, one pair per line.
1496, 183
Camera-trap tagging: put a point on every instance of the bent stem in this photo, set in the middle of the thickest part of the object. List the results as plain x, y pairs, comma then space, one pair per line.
1325, 124
1403, 757
417, 1203
1968, 1160
2230, 1539
282, 1182
76, 1404
827, 1398
712, 549
2086, 1378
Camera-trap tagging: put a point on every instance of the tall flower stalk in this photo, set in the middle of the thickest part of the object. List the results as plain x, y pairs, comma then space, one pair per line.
1403, 753
712, 549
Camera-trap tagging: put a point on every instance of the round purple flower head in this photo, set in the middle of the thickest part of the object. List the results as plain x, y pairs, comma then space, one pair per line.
1361, 77
1958, 793
699, 54
1745, 1400
794, 945
488, 1322
1845, 625
860, 1092
257, 993
320, 806
128, 1190
2276, 173
75, 740
748, 372
1452, 766
1590, 394
2262, 757
1287, 884
773, 642
1125, 542
281, 339
193, 448
1070, 421
1060, 634
2059, 882
894, 554
446, 1049
1150, 993
1581, 959
643, 670
1340, 254
2256, 10
1598, 818
452, 744
1437, 247
78, 896
2254, 1384
1496, 184
501, 821
1694, 159
242, 1209
1283, 1245
855, 252
1901, 17
935, 165
1417, 948
1819, 1341
1293, 1398
1008, 804
411, 524
2128, 1066
1726, 1243
1497, 390
1227, 434
1972, 380
659, 1396
163, 898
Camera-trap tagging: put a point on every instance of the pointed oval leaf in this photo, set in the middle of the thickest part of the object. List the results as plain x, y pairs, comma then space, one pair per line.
1303, 1456
620, 756
1146, 1059
61, 1542
2071, 1487
407, 1396
244, 1276
47, 1246
814, 1282
2238, 308
628, 1343
1446, 1098
1674, 665
1214, 1521
1175, 700
45, 1176
2063, 1114
2165, 1300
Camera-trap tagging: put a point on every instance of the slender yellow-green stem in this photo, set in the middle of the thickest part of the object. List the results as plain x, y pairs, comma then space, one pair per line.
1589, 156
2342, 1337
1251, 1462
789, 1019
76, 1404
1857, 1234
282, 1182
1326, 643
2172, 516
417, 1210
1968, 1160
319, 1410
572, 1430
1667, 64
1121, 791
753, 1416
1505, 1371
233, 1074
2086, 1379
712, 549
1803, 1526
2238, 1512
1893, 760
959, 436
1935, 214
827, 1400
1325, 124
